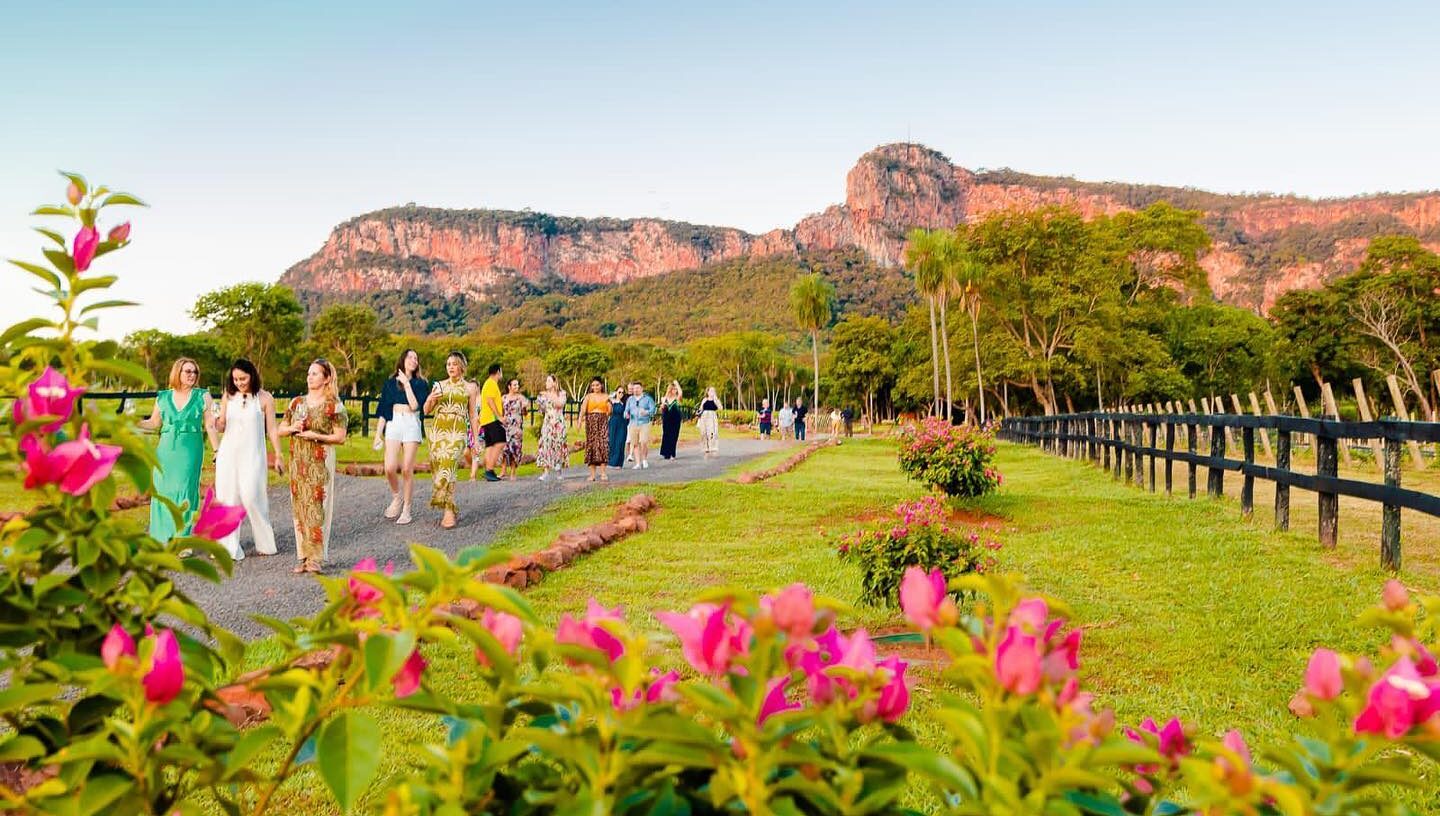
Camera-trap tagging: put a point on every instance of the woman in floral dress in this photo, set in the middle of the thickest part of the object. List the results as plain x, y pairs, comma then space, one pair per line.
515, 405
316, 423
553, 451
452, 404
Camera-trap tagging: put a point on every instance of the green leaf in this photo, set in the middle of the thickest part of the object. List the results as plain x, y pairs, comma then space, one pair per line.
21, 747
95, 282
23, 328
78, 180
384, 655
60, 260
52, 235
49, 210
1097, 805
250, 744
348, 748
24, 695
117, 199
107, 304
122, 368
921, 760
137, 469
102, 791
40, 272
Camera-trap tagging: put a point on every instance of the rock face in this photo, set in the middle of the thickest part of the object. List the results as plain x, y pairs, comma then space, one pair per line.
1263, 245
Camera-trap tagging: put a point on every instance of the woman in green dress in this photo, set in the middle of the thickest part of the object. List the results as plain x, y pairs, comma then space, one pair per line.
182, 416
452, 404
316, 424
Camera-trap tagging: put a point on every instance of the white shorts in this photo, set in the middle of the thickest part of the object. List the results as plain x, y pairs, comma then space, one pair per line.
403, 428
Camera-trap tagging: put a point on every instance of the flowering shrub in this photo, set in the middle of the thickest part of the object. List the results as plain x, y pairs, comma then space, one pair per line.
920, 536
954, 459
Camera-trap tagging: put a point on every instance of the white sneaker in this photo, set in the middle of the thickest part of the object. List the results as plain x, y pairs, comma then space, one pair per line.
544, 476
645, 464
630, 457
635, 466
394, 509
404, 517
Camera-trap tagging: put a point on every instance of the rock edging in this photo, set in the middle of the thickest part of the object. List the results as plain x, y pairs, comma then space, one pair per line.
754, 476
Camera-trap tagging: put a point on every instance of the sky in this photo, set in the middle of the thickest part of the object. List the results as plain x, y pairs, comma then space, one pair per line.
254, 128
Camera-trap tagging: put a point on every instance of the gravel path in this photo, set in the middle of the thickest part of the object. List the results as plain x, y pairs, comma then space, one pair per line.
265, 585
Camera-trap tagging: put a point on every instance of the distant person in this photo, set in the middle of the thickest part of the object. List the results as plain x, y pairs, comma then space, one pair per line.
800, 411
515, 405
786, 417
316, 424
595, 416
834, 422
492, 426
182, 416
670, 420
640, 413
400, 430
245, 419
847, 417
553, 450
709, 423
765, 417
619, 428
452, 404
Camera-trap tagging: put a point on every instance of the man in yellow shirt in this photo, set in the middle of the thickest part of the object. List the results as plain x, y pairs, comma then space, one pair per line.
491, 414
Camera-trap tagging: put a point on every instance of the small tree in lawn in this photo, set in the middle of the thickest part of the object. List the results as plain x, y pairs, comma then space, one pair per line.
813, 298
348, 333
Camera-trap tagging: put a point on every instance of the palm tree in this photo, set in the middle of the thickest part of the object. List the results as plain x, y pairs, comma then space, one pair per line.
967, 278
812, 297
923, 254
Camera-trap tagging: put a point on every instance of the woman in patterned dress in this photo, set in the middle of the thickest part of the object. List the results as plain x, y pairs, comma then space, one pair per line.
452, 404
709, 422
595, 414
515, 405
316, 423
552, 452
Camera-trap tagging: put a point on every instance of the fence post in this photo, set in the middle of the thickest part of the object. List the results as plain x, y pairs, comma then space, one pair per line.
1139, 435
1390, 516
1264, 434
1169, 462
1129, 453
1332, 410
1216, 483
1154, 443
1326, 466
1115, 426
1304, 410
1247, 483
1191, 435
1404, 414
1282, 489
1376, 446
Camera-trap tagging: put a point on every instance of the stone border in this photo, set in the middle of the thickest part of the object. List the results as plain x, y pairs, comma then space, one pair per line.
754, 476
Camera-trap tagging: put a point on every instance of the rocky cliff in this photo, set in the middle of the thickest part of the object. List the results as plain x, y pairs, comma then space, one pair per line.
1263, 245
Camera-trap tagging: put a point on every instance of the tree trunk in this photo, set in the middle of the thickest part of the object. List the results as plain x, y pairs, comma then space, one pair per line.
934, 360
979, 381
945, 349
815, 351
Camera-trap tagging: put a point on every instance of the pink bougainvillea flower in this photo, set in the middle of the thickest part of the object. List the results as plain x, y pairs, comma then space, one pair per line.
775, 701
895, 694
1322, 675
1398, 701
119, 234
87, 240
506, 628
1394, 596
74, 466
1170, 739
792, 609
1018, 662
117, 644
167, 673
925, 599
407, 680
589, 633
366, 596
1236, 742
857, 652
661, 689
1030, 614
1062, 660
51, 395
709, 638
216, 520
813, 662
39, 469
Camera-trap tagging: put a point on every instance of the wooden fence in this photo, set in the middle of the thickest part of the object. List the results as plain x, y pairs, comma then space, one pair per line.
1124, 442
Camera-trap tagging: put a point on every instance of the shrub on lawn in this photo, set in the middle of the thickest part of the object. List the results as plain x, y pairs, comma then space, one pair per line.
919, 536
954, 459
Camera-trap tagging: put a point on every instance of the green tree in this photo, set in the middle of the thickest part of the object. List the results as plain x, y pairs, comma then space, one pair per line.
862, 363
259, 321
575, 362
350, 336
966, 278
812, 298
925, 254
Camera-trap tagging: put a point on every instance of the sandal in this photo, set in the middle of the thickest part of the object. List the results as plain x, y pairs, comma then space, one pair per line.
301, 569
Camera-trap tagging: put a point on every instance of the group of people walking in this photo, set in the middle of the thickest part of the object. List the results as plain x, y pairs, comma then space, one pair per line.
467, 419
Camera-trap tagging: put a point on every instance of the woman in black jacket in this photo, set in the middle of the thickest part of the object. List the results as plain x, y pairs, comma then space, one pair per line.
400, 431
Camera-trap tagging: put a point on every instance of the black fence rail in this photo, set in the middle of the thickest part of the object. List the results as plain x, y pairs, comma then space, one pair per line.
1130, 444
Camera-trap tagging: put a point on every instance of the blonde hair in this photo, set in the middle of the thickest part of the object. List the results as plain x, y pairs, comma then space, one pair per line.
174, 381
332, 388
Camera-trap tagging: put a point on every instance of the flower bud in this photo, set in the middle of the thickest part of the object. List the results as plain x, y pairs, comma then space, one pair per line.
72, 193
119, 234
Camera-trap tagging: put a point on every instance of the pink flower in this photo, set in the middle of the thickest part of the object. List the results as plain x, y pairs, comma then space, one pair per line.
1322, 675
506, 628
216, 520
895, 694
366, 597
167, 673
792, 609
117, 644
775, 701
1018, 662
1170, 740
925, 600
1398, 701
74, 466
589, 632
709, 640
660, 690
407, 680
51, 395
1062, 661
1236, 742
119, 234
1394, 595
87, 240
1030, 614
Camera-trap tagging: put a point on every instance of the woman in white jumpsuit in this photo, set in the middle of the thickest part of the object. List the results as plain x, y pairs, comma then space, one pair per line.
246, 417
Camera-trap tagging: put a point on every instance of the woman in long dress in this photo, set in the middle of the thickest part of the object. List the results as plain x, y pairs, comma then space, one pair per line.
709, 422
245, 420
182, 416
670, 420
619, 428
452, 404
400, 431
552, 453
595, 414
786, 416
316, 424
514, 405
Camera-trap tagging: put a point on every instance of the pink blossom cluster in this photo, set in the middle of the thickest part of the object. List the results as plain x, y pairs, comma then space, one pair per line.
162, 676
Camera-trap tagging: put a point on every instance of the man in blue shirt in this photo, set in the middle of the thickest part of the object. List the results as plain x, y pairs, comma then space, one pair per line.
640, 412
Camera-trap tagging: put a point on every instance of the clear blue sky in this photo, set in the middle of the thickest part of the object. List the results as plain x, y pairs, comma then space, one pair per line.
255, 127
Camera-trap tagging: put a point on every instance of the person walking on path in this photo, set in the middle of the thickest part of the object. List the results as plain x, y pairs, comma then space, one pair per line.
554, 449
595, 415
492, 427
640, 411
787, 422
800, 411
847, 417
245, 420
765, 417
834, 423
452, 403
182, 416
400, 431
619, 428
670, 420
316, 424
515, 406
709, 422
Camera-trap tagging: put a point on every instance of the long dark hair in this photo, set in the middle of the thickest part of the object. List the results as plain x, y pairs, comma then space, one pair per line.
247, 367
400, 364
